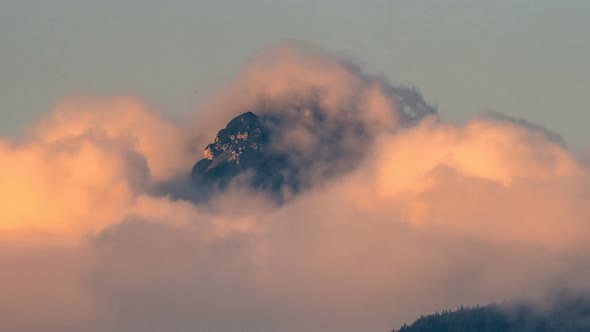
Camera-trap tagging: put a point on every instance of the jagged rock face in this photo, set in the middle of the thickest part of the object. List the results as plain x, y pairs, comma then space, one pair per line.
243, 148
285, 148
242, 138
267, 150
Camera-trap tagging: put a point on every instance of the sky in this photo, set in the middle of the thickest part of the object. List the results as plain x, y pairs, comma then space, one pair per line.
525, 58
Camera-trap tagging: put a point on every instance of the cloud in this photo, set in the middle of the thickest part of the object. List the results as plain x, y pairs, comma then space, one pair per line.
322, 110
432, 216
88, 164
123, 118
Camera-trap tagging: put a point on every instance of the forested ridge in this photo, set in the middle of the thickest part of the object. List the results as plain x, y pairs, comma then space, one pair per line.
565, 313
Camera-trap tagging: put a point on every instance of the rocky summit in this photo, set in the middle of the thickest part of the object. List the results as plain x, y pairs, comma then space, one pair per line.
243, 148
283, 148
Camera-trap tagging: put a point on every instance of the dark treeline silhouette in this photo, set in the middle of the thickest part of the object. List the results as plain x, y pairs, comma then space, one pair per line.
565, 313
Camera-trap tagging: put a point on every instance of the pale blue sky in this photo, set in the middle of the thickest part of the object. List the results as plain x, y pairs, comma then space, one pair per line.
528, 58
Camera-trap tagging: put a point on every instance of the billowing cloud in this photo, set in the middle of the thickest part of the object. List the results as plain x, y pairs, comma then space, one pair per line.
122, 118
434, 215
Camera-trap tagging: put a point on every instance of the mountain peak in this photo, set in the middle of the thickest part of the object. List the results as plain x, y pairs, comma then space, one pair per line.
243, 134
288, 145
243, 148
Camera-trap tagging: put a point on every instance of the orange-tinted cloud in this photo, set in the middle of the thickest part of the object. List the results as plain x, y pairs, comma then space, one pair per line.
435, 215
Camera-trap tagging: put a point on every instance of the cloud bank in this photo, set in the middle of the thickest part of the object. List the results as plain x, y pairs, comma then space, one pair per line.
434, 215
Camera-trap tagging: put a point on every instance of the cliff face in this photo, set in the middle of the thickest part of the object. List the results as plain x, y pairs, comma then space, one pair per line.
279, 152
283, 147
243, 148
